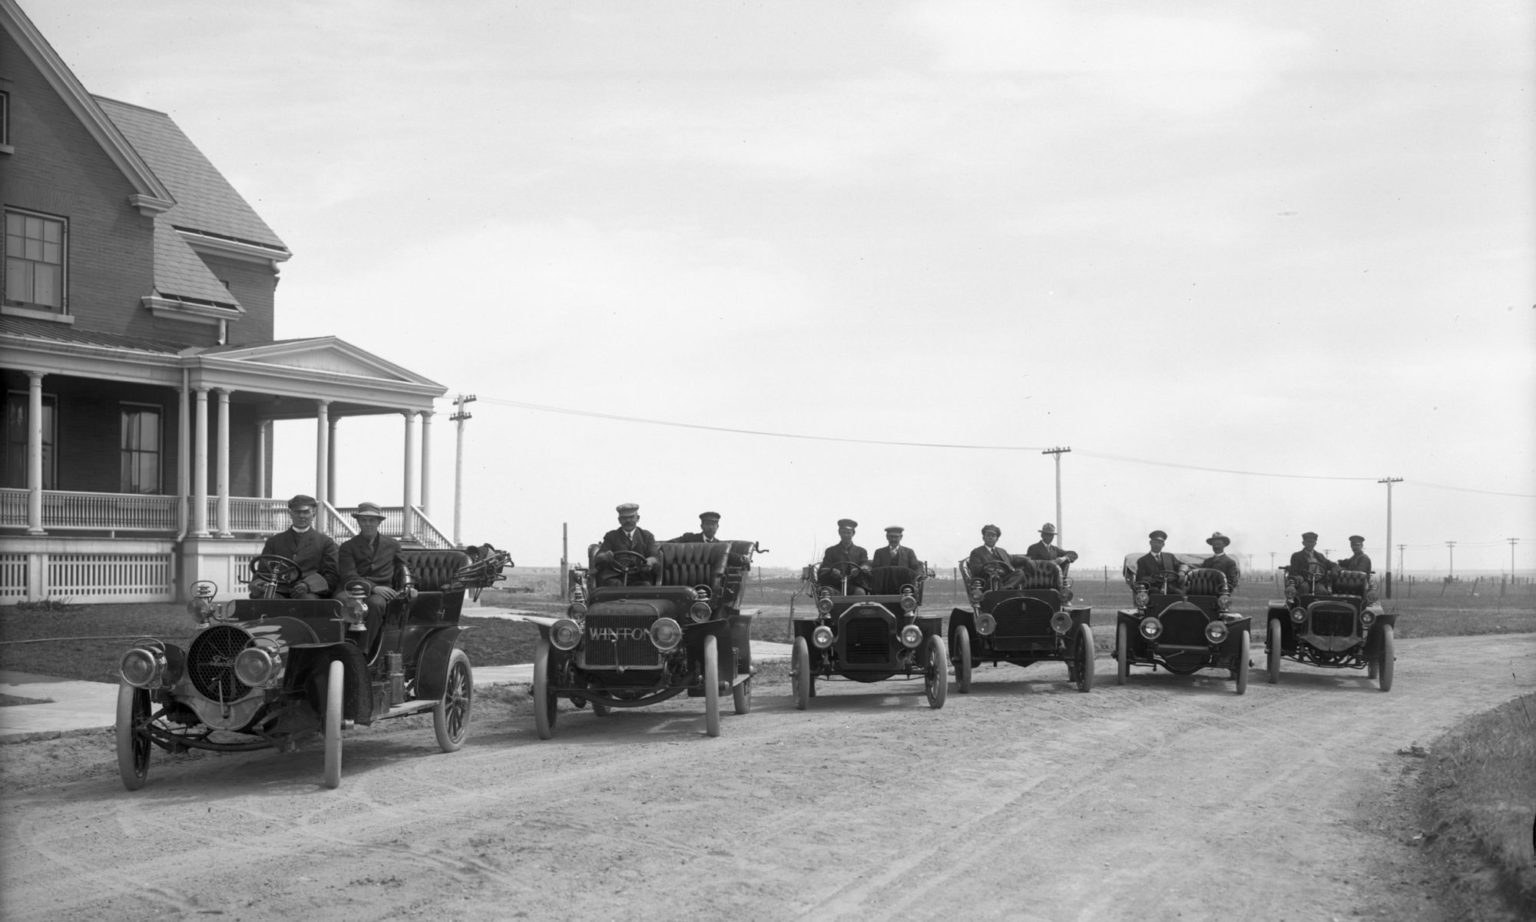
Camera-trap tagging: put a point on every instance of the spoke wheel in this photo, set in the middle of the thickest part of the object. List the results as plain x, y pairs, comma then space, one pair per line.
450, 719
335, 689
1084, 658
963, 660
800, 673
544, 700
711, 685
132, 742
741, 695
1244, 649
936, 677
1122, 653
1388, 658
1273, 649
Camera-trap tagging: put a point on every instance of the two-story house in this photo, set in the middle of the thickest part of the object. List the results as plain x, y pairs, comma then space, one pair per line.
140, 376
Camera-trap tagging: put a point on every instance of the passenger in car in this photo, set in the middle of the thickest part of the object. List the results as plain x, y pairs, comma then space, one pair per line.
1046, 549
374, 557
893, 554
1158, 568
629, 536
1358, 559
845, 555
709, 524
311, 549
1220, 561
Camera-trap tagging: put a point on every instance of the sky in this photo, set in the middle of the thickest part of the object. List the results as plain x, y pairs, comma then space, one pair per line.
798, 261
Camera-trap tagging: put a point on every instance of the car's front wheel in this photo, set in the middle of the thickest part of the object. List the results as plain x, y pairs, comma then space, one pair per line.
1388, 658
1244, 651
936, 676
335, 688
1273, 649
800, 673
963, 660
450, 719
711, 685
1084, 658
1122, 653
132, 741
544, 700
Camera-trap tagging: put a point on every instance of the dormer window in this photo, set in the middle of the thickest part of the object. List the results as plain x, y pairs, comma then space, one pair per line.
35, 247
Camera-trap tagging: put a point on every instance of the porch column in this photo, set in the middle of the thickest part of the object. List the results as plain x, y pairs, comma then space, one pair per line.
330, 461
200, 467
426, 462
35, 453
410, 469
262, 429
322, 449
183, 457
221, 467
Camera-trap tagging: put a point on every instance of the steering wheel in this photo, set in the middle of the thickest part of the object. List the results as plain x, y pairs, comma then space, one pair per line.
843, 567
994, 569
630, 562
275, 571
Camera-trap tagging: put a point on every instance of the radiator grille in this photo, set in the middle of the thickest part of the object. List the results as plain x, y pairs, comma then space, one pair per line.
1182, 626
211, 663
1333, 621
866, 641
619, 640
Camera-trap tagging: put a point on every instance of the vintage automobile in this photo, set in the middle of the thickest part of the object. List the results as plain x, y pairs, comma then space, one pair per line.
1023, 624
1183, 624
1333, 623
263, 672
681, 630
868, 638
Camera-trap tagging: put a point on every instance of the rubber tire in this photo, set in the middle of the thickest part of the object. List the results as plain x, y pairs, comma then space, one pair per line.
1122, 653
132, 747
1388, 657
450, 719
1085, 658
963, 660
800, 673
741, 696
544, 704
936, 677
335, 691
1273, 648
711, 685
1244, 653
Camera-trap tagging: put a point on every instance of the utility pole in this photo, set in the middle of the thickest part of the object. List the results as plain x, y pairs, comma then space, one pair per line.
1271, 560
1512, 543
1452, 546
1058, 452
459, 416
1399, 558
1389, 481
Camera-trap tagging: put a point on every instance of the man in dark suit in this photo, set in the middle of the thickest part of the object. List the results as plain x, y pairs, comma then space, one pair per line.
629, 536
893, 554
1157, 567
311, 549
374, 557
1358, 559
845, 556
1045, 549
990, 555
709, 524
1309, 568
1220, 561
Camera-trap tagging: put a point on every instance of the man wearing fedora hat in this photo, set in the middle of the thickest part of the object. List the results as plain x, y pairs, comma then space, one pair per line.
709, 525
311, 549
1046, 549
1358, 559
845, 555
374, 557
629, 536
1220, 561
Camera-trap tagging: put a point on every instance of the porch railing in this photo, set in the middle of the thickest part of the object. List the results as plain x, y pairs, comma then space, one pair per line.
69, 510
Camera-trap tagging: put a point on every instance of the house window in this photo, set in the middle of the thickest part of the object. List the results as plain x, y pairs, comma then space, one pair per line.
141, 449
34, 260
5, 121
15, 459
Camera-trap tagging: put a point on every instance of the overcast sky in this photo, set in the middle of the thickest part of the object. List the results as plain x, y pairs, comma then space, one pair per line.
1245, 259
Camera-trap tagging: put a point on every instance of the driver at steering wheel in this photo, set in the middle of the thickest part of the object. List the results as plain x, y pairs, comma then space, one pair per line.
311, 549
1157, 568
629, 537
845, 557
993, 560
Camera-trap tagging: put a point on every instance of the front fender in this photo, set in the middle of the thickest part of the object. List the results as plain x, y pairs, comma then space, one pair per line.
432, 664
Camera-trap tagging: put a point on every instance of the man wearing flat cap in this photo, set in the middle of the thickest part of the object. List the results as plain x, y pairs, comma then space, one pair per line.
1046, 549
629, 536
1220, 561
845, 556
1309, 568
989, 556
1358, 559
311, 549
373, 557
893, 554
709, 524
1157, 566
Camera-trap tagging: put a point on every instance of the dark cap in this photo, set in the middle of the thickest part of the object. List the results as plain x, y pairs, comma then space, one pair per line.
628, 508
368, 511
1309, 535
987, 528
709, 515
1357, 538
847, 523
1159, 535
894, 530
303, 499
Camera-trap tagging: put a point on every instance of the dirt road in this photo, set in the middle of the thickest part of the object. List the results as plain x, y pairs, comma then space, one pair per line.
1166, 798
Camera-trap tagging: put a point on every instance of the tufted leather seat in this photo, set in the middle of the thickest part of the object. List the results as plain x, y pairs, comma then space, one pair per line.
692, 564
1045, 574
434, 569
1205, 581
1351, 582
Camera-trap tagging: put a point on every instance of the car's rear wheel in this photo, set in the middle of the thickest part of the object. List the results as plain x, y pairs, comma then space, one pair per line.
936, 676
1388, 658
711, 685
741, 695
1084, 658
335, 689
963, 660
1244, 651
1272, 647
450, 719
800, 673
132, 742
1122, 653
544, 701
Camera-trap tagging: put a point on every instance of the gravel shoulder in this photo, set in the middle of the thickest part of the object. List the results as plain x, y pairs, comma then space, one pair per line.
1168, 797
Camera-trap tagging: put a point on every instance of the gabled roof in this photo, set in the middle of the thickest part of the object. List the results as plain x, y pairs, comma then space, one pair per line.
325, 354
